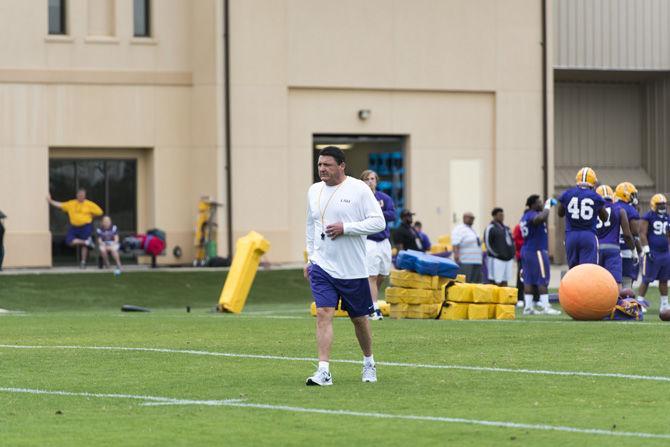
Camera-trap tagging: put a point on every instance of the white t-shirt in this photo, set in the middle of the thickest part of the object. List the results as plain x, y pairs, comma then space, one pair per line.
352, 203
470, 250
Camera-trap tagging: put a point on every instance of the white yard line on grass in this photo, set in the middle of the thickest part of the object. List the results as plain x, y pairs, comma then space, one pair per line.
157, 400
356, 362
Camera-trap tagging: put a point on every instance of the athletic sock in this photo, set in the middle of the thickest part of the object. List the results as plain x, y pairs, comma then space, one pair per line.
324, 366
369, 361
544, 300
528, 300
376, 305
664, 301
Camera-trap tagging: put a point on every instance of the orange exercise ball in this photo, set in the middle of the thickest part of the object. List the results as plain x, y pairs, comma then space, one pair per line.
588, 292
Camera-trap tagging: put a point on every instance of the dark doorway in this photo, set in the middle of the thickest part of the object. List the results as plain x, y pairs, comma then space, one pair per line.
384, 154
112, 184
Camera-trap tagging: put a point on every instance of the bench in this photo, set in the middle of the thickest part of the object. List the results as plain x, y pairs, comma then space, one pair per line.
129, 254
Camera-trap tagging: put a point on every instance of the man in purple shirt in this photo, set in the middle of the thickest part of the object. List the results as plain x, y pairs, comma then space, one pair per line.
378, 246
655, 237
609, 231
582, 206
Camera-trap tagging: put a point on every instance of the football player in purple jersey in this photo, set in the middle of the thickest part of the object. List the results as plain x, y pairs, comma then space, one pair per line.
609, 232
581, 206
654, 237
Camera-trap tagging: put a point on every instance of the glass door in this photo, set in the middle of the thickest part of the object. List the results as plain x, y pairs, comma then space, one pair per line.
111, 183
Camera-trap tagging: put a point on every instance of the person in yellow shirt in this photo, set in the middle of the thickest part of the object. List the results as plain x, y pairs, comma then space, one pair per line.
81, 213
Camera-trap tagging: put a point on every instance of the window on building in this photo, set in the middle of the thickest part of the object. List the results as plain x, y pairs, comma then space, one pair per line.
57, 17
142, 20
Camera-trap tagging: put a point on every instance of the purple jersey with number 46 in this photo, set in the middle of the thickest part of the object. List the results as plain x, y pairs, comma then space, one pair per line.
581, 209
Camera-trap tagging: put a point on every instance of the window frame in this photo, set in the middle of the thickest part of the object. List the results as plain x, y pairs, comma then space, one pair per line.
62, 26
147, 20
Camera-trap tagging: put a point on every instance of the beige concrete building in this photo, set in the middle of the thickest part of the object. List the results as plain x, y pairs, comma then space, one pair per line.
133, 107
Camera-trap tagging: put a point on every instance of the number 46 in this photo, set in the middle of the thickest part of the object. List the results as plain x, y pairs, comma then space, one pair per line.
583, 208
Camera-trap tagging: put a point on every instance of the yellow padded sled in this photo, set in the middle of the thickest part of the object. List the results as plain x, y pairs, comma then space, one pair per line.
505, 312
395, 295
507, 295
417, 311
248, 252
454, 311
412, 280
485, 293
479, 311
460, 292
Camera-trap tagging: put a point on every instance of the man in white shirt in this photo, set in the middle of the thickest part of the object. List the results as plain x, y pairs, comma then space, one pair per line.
467, 249
341, 212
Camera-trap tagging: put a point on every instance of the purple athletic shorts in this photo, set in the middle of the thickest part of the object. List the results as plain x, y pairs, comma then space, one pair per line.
656, 268
327, 291
610, 259
581, 248
535, 267
629, 269
83, 233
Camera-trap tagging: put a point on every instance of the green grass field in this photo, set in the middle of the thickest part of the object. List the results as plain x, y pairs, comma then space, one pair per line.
202, 378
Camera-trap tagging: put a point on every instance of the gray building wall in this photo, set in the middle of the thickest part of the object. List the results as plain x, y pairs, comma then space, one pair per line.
612, 34
656, 132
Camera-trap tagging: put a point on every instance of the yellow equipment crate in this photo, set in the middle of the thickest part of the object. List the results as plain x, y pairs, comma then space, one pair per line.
460, 292
248, 252
460, 278
444, 239
412, 280
454, 311
417, 311
395, 295
484, 293
479, 311
507, 295
505, 311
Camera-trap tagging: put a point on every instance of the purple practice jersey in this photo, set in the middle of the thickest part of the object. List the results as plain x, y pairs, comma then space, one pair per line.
610, 230
534, 236
581, 209
632, 215
657, 232
388, 209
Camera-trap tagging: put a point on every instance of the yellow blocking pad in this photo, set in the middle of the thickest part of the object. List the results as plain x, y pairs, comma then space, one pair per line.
505, 312
444, 239
485, 293
395, 295
339, 312
460, 278
439, 248
479, 311
412, 280
454, 311
507, 295
417, 311
460, 292
248, 252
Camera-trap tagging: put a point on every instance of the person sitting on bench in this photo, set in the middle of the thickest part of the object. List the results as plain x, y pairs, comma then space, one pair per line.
108, 243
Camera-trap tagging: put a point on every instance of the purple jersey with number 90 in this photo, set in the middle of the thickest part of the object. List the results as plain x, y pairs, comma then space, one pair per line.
581, 209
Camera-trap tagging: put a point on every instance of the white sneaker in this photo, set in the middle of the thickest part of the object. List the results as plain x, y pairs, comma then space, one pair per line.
376, 315
369, 373
320, 378
528, 311
662, 308
548, 310
520, 304
117, 272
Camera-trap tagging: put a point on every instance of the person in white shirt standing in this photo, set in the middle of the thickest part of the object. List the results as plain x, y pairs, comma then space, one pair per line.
341, 213
468, 249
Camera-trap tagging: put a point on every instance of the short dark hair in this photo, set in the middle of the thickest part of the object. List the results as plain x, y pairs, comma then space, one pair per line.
333, 151
530, 201
81, 190
418, 224
496, 210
